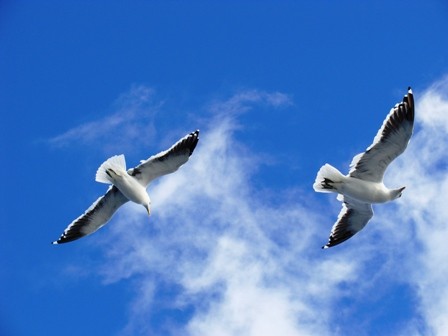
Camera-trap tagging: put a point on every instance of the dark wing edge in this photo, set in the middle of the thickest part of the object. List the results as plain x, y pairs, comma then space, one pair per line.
168, 161
399, 120
96, 216
353, 218
188, 142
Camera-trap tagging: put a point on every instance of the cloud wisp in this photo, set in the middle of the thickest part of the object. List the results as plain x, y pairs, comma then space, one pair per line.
235, 260
420, 226
132, 117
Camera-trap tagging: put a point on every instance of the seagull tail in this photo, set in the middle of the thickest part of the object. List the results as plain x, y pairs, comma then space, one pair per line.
326, 179
114, 165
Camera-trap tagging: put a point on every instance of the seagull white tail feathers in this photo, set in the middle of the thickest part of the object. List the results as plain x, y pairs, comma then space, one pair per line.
116, 164
326, 179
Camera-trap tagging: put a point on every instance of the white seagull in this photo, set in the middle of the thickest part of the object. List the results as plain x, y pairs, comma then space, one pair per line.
364, 183
128, 185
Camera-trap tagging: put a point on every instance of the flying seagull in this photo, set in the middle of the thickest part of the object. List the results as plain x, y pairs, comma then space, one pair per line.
364, 183
128, 185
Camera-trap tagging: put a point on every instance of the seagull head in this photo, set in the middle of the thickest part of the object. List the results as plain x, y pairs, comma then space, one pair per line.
397, 192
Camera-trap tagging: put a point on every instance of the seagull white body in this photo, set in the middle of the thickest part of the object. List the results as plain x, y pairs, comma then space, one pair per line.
128, 185
113, 171
363, 185
361, 190
356, 189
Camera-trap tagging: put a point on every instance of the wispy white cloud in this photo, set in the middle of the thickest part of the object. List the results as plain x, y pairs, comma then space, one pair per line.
245, 100
242, 265
240, 261
420, 227
132, 116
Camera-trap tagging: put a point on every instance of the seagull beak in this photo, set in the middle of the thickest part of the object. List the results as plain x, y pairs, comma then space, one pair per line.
147, 209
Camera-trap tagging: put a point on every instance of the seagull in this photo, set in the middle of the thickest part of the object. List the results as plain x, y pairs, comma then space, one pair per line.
363, 185
128, 185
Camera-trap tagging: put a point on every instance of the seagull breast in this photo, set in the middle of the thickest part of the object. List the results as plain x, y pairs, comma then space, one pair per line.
365, 191
131, 188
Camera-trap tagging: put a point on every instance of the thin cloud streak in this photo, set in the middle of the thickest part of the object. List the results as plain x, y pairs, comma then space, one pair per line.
244, 101
133, 116
420, 226
236, 260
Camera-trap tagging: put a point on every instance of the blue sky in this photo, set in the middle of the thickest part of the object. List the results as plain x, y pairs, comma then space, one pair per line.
233, 243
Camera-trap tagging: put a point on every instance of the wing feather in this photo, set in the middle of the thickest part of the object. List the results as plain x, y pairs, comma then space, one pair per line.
352, 219
166, 162
96, 216
390, 141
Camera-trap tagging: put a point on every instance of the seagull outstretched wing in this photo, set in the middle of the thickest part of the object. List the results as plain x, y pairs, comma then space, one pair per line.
166, 162
97, 215
352, 219
390, 141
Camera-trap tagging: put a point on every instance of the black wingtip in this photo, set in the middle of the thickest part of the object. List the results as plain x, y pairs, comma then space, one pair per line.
195, 137
67, 239
57, 242
409, 100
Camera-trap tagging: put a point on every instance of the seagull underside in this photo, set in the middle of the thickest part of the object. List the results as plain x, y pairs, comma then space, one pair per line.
364, 183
